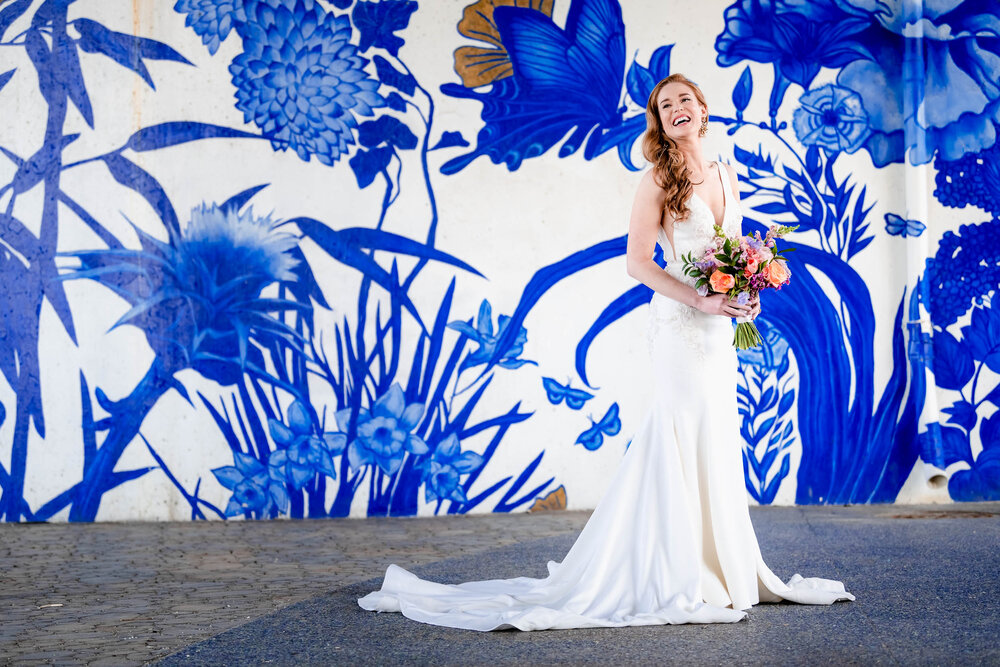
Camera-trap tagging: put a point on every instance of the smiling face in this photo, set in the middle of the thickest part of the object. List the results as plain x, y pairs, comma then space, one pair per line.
680, 110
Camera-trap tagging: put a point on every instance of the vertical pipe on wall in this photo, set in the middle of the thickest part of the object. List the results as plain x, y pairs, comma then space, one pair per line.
917, 175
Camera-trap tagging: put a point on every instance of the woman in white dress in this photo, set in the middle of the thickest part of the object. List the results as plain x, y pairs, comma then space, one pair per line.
671, 540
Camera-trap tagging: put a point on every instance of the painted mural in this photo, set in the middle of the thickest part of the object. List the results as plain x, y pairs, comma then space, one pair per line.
230, 281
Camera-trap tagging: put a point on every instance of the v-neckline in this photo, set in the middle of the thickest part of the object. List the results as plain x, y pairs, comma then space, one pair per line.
725, 199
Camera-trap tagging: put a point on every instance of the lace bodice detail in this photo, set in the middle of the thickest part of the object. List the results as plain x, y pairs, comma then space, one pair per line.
690, 235
693, 234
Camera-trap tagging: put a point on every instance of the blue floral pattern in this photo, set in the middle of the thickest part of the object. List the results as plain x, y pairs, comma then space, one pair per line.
442, 471
385, 433
955, 85
212, 20
229, 295
831, 117
301, 80
255, 487
303, 454
198, 298
483, 334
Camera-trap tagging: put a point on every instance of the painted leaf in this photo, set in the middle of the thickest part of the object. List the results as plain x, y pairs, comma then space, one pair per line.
953, 365
164, 135
367, 164
386, 129
449, 139
743, 90
391, 76
963, 414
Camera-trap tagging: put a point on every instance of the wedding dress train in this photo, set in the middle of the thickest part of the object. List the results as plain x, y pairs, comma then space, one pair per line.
671, 540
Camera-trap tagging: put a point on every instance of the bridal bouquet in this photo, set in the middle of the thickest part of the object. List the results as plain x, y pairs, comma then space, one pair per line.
741, 267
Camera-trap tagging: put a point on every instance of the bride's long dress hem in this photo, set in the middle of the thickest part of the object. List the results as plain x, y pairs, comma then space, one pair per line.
671, 540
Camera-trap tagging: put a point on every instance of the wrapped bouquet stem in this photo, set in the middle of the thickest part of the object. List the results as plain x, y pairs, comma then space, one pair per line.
741, 267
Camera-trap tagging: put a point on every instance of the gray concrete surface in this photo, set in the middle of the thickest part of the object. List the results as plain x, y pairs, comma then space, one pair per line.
927, 579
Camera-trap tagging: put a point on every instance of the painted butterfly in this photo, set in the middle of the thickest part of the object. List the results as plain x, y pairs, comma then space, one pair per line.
575, 398
610, 424
897, 226
565, 81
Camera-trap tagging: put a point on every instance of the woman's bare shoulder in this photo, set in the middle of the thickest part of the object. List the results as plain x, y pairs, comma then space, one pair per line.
649, 188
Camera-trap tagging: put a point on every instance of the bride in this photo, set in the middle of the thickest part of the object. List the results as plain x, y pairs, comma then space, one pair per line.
671, 540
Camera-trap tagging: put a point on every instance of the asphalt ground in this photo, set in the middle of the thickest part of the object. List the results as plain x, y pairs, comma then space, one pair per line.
927, 581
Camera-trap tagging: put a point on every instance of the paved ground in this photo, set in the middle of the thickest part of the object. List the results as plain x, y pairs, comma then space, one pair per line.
927, 579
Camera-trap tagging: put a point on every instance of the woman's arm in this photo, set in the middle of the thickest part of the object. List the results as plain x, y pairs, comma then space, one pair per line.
643, 227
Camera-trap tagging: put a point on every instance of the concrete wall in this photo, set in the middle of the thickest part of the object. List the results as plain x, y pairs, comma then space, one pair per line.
287, 258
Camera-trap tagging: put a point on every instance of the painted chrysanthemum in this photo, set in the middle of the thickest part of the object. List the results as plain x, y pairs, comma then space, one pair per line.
212, 20
300, 80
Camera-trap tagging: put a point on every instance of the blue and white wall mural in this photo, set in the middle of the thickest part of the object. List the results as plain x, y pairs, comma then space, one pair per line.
325, 258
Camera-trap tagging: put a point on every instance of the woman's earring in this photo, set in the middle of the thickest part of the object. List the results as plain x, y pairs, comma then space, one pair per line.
703, 130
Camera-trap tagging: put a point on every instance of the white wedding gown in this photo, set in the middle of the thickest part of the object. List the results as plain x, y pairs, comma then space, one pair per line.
671, 540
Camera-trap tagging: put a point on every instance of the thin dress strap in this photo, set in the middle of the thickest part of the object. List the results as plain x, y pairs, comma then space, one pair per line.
732, 210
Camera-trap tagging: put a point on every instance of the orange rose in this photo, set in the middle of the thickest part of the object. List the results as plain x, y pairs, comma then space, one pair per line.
776, 273
721, 282
752, 266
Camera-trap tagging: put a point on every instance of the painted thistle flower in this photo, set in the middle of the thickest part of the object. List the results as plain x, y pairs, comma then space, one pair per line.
300, 80
212, 20
254, 487
442, 470
483, 334
831, 117
198, 298
384, 434
302, 453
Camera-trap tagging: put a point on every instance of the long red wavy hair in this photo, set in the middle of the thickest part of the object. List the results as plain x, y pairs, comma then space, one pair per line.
669, 170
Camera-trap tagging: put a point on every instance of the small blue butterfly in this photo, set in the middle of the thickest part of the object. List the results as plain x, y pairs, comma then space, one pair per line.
610, 424
897, 226
575, 398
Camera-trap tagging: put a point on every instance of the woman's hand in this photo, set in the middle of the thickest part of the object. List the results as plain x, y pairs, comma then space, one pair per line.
720, 304
754, 307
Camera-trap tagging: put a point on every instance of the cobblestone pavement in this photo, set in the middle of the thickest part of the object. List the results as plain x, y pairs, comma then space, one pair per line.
130, 593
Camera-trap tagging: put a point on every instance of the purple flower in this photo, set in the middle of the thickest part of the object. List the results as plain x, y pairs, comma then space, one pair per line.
743, 298
703, 290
